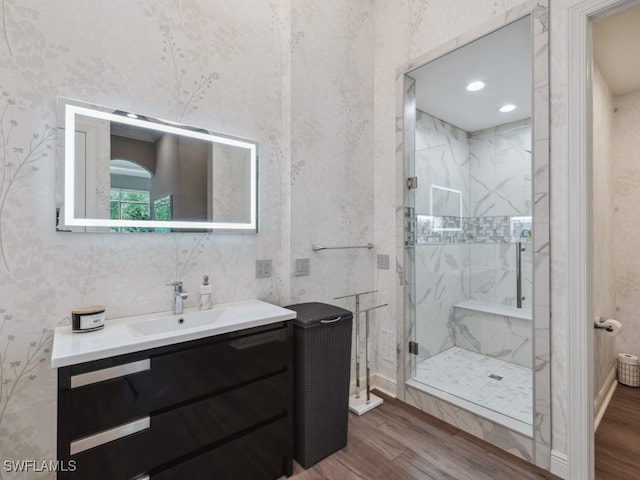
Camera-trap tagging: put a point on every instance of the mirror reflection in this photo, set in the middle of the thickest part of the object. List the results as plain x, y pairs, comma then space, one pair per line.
125, 172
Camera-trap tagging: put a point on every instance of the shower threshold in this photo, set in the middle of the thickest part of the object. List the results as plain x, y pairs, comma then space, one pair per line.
485, 386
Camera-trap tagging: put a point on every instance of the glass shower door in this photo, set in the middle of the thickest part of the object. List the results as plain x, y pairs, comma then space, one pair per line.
468, 216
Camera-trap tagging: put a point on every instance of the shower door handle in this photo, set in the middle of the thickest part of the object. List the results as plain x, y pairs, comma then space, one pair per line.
518, 274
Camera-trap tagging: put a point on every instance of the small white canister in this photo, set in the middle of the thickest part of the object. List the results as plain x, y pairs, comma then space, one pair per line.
87, 319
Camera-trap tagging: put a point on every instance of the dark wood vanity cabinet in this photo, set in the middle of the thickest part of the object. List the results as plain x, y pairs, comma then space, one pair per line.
215, 408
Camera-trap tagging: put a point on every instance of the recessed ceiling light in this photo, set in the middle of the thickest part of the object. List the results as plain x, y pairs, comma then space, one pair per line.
509, 107
475, 86
132, 115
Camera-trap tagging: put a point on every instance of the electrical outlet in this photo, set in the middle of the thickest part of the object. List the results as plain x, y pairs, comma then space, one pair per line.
263, 269
302, 267
383, 262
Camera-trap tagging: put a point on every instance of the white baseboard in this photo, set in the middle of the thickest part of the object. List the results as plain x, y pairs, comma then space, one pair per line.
604, 397
559, 464
385, 384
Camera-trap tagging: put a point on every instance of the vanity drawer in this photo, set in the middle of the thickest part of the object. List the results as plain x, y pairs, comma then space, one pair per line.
174, 435
261, 455
170, 378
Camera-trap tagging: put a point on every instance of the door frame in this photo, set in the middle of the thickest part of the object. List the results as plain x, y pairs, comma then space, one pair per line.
580, 424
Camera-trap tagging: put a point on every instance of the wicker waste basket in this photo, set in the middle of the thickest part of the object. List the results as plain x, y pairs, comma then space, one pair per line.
322, 364
628, 370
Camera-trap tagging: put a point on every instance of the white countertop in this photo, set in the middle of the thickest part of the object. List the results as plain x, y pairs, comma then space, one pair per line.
120, 336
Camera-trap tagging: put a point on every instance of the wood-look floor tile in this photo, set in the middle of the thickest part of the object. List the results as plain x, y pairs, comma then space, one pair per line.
413, 465
399, 442
617, 440
375, 438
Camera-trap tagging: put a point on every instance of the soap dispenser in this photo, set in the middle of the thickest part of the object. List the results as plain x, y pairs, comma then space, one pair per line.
206, 291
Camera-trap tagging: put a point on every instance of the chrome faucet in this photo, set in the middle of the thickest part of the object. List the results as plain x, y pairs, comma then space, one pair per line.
179, 296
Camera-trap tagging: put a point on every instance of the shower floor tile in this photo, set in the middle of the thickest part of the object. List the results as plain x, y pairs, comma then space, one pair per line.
500, 386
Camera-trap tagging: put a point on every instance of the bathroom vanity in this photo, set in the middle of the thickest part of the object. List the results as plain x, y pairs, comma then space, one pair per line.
210, 400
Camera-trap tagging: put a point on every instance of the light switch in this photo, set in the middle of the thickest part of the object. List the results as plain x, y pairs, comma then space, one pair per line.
301, 267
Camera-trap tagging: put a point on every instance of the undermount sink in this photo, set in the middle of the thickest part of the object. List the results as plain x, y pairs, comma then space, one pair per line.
184, 321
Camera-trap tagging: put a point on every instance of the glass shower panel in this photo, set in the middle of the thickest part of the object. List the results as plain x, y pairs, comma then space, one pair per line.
469, 248
408, 141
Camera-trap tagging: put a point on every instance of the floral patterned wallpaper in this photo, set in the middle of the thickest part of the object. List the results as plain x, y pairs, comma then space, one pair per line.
332, 148
222, 65
296, 76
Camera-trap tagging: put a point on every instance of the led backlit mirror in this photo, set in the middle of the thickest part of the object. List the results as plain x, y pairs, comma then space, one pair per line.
125, 172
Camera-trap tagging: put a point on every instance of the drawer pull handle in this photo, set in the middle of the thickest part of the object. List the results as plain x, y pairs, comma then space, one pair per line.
331, 321
96, 376
107, 436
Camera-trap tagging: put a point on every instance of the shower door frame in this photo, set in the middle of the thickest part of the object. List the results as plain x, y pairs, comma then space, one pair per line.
537, 449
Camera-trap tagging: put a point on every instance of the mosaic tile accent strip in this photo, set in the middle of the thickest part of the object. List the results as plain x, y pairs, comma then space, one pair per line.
500, 229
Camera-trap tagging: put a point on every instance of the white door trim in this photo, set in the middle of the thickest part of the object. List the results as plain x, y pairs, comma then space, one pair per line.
579, 262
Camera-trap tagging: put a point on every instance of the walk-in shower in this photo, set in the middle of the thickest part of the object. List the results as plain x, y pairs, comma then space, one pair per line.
468, 212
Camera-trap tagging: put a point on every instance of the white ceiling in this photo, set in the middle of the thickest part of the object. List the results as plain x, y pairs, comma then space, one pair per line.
616, 40
501, 59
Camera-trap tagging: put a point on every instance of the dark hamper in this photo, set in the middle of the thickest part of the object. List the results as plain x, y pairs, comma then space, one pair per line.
322, 364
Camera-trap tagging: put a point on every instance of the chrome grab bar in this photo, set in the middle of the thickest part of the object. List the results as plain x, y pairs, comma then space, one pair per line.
315, 247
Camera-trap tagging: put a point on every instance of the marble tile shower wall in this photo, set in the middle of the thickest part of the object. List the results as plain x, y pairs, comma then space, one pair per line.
441, 281
492, 169
442, 159
500, 169
497, 336
441, 271
492, 274
501, 208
